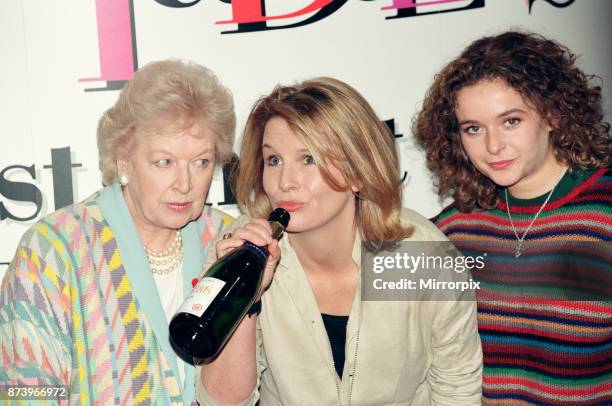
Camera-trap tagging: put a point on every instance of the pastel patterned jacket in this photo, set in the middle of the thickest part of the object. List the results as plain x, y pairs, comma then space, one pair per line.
79, 307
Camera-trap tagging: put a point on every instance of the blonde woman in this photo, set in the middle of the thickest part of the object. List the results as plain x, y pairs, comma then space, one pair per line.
86, 301
318, 150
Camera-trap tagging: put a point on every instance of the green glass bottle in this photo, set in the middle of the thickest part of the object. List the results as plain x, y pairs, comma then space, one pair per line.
220, 300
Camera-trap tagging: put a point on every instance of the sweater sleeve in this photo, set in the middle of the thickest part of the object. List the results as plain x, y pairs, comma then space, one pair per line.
35, 312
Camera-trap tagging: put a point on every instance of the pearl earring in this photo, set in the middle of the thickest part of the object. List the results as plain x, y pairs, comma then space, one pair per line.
123, 179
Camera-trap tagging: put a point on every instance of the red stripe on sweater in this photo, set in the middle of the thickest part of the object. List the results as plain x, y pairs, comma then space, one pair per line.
502, 220
561, 314
555, 390
537, 331
559, 202
585, 306
544, 365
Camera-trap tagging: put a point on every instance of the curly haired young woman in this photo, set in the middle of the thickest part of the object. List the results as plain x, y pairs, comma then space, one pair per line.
514, 131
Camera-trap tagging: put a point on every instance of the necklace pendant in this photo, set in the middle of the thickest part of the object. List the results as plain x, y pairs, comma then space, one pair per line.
518, 252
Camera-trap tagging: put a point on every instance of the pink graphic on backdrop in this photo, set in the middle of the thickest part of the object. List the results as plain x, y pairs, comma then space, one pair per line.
401, 4
116, 43
251, 11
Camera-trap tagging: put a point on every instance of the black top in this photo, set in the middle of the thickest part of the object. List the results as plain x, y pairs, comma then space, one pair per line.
336, 331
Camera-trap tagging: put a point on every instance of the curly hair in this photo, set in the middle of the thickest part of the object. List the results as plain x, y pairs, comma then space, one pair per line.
543, 73
168, 94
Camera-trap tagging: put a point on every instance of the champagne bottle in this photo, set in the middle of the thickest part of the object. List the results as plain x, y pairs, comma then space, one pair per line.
220, 300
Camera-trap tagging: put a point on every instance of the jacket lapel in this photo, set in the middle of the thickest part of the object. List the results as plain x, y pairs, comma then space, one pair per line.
291, 277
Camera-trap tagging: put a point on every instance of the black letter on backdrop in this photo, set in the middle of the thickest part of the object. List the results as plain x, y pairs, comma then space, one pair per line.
61, 170
390, 123
552, 3
19, 191
230, 169
325, 11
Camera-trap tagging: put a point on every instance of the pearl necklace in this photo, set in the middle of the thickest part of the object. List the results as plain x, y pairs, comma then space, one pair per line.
519, 248
164, 262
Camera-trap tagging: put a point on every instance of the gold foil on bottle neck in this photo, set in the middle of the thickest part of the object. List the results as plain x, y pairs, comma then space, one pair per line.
277, 230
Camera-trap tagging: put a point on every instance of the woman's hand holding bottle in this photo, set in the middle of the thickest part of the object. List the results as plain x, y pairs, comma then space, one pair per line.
257, 232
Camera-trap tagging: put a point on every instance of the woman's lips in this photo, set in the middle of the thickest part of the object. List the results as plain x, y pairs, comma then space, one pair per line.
179, 206
289, 205
499, 165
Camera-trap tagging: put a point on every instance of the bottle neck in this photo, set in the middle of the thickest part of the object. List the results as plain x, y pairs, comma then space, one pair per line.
277, 230
261, 252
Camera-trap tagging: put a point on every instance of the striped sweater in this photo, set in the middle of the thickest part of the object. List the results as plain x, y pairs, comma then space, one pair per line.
79, 308
545, 317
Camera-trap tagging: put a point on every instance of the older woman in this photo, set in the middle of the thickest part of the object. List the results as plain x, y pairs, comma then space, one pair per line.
86, 300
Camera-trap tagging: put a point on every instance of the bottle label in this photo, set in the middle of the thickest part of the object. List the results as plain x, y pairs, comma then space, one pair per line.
202, 296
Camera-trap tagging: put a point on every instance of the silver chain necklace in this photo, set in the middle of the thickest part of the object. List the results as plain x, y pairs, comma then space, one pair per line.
519, 248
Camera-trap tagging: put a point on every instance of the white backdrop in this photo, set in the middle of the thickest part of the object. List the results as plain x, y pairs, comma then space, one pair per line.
47, 46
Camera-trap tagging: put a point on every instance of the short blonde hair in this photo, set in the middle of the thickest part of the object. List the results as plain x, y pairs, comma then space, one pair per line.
166, 94
339, 127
